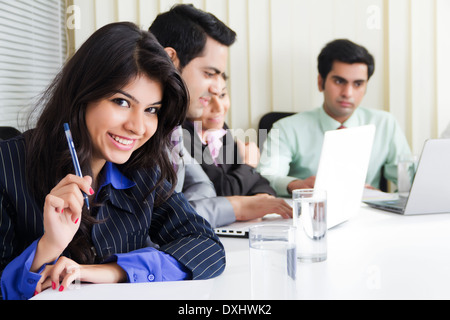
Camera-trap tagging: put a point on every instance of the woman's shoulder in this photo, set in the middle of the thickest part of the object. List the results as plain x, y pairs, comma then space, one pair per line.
147, 174
12, 164
149, 181
12, 151
15, 140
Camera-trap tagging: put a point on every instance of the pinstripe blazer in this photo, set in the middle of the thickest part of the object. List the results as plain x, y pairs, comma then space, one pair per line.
130, 216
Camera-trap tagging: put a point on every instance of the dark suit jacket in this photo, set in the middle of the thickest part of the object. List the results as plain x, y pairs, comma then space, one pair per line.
131, 216
231, 177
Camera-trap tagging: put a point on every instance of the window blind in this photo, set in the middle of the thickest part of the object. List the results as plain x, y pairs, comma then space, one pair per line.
33, 47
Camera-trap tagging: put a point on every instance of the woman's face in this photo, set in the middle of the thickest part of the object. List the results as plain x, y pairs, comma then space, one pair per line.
124, 122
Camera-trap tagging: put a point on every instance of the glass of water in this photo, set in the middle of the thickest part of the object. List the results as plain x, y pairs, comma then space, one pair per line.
310, 220
273, 262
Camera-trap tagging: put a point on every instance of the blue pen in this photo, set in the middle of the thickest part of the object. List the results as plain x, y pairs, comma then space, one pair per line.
76, 164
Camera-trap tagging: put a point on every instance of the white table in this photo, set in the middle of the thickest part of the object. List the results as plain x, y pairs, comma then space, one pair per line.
375, 255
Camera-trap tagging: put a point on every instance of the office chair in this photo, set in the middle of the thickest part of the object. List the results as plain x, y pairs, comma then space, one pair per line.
267, 122
8, 133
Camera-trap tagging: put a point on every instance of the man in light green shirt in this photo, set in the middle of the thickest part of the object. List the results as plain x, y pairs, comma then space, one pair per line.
291, 153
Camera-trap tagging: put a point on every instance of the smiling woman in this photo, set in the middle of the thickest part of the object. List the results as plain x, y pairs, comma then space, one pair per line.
122, 124
122, 97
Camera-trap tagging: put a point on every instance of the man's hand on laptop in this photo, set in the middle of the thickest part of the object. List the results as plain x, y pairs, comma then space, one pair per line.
253, 207
301, 184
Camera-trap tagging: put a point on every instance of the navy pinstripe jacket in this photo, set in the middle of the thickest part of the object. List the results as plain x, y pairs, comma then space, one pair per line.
130, 217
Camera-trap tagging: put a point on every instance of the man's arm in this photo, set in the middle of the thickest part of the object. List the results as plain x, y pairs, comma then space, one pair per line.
276, 158
200, 193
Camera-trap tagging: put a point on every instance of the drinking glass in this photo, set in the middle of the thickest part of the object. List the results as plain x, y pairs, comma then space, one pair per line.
273, 262
310, 220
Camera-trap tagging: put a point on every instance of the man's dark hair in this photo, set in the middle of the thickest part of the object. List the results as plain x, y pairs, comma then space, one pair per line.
185, 29
344, 51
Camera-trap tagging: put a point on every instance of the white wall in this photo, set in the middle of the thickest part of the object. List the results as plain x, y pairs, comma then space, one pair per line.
273, 64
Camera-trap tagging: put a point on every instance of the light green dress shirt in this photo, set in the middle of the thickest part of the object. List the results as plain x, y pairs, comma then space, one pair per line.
293, 147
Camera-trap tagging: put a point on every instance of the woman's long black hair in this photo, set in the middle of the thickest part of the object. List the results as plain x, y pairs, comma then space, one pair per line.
112, 57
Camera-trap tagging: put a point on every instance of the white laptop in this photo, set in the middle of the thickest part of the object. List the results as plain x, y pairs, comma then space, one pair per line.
431, 186
343, 169
240, 229
342, 172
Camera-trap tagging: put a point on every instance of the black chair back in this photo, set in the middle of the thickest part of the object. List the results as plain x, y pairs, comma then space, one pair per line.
8, 133
267, 122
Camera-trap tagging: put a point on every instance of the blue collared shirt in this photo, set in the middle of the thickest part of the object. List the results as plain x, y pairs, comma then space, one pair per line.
163, 267
144, 265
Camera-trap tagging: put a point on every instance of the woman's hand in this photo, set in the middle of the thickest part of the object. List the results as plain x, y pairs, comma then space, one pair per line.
59, 276
62, 215
66, 271
62, 210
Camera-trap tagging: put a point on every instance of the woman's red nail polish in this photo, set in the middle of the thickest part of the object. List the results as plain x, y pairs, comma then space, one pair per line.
76, 221
35, 293
61, 289
62, 210
53, 285
91, 191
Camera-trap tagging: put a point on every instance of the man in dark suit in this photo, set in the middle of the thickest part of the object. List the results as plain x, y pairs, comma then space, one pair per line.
229, 163
198, 44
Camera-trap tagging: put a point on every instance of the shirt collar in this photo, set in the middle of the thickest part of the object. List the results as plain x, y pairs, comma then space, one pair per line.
211, 135
328, 123
112, 175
